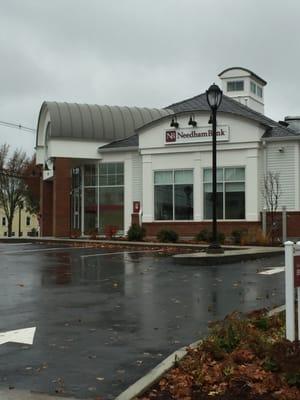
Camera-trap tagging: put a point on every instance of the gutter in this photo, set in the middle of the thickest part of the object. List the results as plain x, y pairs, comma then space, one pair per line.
117, 149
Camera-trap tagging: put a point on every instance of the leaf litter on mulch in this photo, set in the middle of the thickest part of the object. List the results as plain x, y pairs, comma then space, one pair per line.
246, 358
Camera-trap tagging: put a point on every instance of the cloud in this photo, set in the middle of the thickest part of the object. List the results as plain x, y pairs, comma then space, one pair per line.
141, 52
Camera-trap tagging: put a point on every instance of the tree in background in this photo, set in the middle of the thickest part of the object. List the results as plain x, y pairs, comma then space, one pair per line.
271, 194
14, 190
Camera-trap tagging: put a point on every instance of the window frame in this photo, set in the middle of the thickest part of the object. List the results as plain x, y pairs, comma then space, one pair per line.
235, 83
97, 188
223, 183
173, 184
253, 86
259, 91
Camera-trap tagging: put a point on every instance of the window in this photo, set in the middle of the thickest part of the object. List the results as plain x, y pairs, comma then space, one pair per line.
173, 195
230, 193
3, 221
234, 86
103, 196
111, 174
27, 221
253, 87
259, 91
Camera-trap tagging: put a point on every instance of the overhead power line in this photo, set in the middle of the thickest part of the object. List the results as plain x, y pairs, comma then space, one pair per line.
17, 126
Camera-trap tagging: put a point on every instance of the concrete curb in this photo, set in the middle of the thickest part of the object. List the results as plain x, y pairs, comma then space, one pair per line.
155, 374
228, 257
148, 380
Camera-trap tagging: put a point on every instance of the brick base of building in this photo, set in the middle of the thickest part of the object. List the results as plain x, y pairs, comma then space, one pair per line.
190, 229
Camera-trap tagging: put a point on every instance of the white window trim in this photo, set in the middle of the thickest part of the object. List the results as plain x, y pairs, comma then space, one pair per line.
173, 194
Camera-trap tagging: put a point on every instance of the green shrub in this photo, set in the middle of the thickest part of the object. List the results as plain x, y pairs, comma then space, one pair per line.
203, 236
237, 235
206, 236
167, 235
136, 232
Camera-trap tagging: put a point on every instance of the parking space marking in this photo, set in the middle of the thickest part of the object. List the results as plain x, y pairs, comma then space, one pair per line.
119, 252
16, 244
272, 271
44, 250
24, 336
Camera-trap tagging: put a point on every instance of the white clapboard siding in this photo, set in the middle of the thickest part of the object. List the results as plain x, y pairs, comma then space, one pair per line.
137, 177
283, 162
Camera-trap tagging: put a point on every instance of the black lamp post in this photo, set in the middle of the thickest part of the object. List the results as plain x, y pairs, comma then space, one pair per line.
214, 98
21, 205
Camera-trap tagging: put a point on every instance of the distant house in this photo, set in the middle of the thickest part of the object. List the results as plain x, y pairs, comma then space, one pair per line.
24, 224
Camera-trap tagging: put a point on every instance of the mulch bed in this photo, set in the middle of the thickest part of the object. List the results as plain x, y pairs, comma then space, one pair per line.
161, 250
242, 358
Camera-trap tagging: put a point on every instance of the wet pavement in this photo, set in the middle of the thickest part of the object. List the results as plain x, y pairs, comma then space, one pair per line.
102, 321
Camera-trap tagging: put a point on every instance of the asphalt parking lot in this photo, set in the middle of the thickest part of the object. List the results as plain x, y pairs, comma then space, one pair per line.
103, 318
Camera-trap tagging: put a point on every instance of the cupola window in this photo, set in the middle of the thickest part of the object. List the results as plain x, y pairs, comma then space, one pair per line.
235, 86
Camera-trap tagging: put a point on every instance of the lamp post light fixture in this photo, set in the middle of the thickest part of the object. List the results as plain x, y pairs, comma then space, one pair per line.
214, 98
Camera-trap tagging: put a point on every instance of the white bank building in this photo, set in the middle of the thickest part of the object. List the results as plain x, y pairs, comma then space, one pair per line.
111, 166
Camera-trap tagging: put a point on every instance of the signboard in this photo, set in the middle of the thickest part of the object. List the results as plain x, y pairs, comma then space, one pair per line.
201, 134
297, 271
136, 206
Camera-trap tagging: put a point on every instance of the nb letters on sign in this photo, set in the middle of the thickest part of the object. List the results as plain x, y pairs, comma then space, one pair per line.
195, 135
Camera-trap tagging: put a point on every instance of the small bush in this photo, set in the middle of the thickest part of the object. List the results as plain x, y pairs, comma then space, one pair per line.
93, 233
237, 235
110, 231
206, 236
75, 233
136, 232
203, 236
167, 236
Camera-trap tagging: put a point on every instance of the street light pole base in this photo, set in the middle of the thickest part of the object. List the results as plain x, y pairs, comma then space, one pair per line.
214, 248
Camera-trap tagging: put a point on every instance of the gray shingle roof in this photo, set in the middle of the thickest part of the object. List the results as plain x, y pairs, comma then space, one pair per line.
229, 105
130, 142
94, 122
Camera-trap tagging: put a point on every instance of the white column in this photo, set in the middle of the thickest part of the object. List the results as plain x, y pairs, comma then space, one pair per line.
297, 177
252, 186
148, 197
198, 190
127, 193
289, 291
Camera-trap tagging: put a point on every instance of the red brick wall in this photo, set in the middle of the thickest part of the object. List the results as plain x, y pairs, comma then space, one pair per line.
46, 208
192, 228
293, 224
61, 197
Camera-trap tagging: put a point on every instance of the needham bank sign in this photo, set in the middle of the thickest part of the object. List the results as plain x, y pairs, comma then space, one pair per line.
195, 135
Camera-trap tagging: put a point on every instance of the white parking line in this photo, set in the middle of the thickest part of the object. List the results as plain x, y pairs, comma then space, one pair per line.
16, 244
272, 271
119, 252
44, 250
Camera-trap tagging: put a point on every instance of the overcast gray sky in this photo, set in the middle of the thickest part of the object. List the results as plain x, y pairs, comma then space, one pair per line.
140, 52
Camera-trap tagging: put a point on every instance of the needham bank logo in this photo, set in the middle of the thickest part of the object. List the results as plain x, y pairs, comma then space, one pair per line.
198, 135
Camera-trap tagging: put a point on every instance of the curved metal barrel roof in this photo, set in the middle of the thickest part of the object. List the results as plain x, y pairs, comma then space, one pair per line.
94, 122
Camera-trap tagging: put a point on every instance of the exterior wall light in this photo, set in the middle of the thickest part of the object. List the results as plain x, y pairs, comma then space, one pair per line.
214, 97
174, 123
192, 121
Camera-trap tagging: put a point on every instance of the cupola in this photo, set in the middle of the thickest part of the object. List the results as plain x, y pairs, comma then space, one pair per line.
244, 86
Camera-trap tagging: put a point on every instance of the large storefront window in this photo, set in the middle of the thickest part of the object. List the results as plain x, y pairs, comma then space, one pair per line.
103, 196
230, 193
111, 196
173, 195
